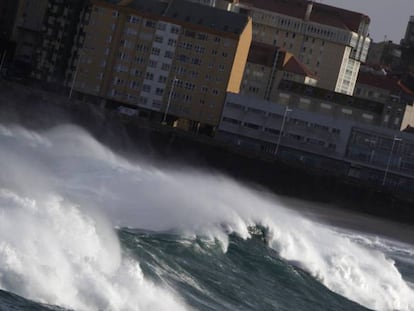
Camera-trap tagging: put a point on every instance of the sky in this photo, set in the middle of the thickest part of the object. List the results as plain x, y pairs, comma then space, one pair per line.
388, 17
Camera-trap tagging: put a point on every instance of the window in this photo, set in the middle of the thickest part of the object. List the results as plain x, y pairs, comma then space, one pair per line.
146, 88
159, 91
202, 36
133, 19
175, 30
149, 76
165, 67
231, 121
150, 24
251, 126
143, 100
155, 51
134, 85
326, 106
162, 79
158, 39
169, 54
161, 26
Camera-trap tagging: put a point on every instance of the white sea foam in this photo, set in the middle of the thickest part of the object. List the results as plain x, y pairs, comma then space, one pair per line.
52, 252
80, 177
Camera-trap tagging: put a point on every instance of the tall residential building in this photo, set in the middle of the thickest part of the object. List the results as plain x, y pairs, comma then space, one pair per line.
177, 58
61, 20
407, 46
397, 99
8, 9
332, 42
409, 33
385, 54
266, 66
28, 31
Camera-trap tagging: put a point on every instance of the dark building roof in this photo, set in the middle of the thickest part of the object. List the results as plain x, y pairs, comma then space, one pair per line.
262, 54
382, 82
321, 13
193, 13
331, 96
295, 66
266, 54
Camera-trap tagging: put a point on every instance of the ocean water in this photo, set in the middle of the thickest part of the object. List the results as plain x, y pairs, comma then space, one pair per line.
82, 228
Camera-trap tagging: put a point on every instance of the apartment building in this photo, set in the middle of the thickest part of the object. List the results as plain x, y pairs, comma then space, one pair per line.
8, 10
385, 54
266, 66
59, 28
332, 42
397, 99
28, 31
173, 58
382, 157
329, 142
302, 117
265, 126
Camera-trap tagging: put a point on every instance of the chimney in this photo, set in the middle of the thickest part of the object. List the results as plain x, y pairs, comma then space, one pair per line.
308, 10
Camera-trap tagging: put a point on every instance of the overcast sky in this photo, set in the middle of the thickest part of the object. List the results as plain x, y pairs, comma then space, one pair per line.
388, 17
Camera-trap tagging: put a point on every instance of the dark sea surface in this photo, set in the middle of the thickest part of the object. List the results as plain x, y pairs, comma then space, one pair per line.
82, 228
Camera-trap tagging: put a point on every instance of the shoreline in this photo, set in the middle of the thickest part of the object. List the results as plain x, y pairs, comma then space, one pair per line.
164, 146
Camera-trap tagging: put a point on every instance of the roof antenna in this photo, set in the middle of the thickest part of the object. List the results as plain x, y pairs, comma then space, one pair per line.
167, 7
308, 10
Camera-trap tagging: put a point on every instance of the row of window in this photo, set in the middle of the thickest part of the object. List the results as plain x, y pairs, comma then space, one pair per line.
279, 116
276, 132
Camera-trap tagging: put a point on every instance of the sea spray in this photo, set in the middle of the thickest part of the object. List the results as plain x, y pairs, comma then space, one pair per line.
79, 173
52, 252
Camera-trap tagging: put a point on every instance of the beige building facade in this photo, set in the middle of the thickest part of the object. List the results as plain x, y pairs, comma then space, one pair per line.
332, 42
267, 65
172, 59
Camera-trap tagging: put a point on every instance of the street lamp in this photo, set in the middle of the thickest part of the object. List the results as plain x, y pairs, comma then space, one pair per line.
76, 73
281, 129
3, 59
389, 158
164, 119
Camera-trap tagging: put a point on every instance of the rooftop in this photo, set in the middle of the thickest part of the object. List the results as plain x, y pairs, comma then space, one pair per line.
193, 13
331, 96
321, 13
262, 54
266, 54
295, 66
382, 82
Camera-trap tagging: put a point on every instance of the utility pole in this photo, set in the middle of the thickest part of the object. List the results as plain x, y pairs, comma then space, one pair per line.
389, 159
174, 81
76, 74
281, 129
3, 60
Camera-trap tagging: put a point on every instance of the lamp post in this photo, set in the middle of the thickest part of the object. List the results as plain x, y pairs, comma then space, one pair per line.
389, 159
76, 74
281, 129
164, 119
3, 58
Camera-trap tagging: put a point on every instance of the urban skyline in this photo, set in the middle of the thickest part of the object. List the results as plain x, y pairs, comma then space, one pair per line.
383, 25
